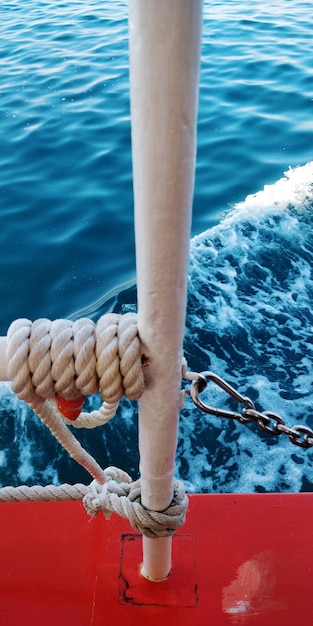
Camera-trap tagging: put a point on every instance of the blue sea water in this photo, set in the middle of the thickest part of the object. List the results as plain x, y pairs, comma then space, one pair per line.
66, 236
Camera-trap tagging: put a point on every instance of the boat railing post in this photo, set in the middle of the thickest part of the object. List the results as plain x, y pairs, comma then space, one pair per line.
165, 39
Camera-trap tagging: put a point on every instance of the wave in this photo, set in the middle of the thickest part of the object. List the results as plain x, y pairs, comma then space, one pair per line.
250, 320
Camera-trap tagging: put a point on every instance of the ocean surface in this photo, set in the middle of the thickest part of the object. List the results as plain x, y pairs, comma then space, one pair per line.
67, 241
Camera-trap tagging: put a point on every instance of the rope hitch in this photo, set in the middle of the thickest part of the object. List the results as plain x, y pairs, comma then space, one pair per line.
53, 366
121, 495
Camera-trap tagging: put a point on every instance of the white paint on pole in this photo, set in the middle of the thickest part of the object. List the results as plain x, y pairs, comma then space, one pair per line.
165, 38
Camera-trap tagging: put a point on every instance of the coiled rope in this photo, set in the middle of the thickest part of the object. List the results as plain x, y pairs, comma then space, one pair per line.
75, 359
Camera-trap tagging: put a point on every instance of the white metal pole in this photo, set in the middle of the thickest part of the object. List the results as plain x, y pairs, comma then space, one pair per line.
165, 37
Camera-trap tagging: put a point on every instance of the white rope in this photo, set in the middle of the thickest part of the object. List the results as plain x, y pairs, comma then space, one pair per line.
76, 359
124, 498
73, 360
119, 494
50, 416
113, 489
84, 356
48, 493
94, 418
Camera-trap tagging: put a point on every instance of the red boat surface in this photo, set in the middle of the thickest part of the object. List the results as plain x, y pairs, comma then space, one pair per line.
240, 560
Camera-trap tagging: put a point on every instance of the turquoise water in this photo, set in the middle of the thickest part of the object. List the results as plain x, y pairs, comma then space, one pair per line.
66, 237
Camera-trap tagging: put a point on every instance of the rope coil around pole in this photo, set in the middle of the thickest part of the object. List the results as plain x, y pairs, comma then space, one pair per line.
124, 498
76, 359
47, 359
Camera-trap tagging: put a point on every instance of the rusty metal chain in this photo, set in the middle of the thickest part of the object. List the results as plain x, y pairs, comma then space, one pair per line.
269, 422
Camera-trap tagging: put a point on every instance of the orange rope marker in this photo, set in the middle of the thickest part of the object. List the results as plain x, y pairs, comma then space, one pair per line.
70, 409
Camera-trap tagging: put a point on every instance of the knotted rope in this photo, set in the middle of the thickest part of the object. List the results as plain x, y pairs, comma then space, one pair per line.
76, 359
119, 494
124, 498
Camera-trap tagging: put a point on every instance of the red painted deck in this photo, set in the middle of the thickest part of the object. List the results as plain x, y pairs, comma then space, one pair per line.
240, 560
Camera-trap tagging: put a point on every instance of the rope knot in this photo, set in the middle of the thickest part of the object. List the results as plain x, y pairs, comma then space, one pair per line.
121, 495
97, 498
53, 366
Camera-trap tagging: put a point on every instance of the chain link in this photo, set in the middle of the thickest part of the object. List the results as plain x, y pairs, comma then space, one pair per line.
269, 422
